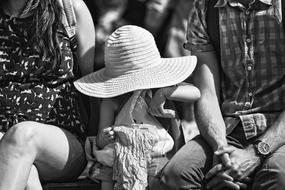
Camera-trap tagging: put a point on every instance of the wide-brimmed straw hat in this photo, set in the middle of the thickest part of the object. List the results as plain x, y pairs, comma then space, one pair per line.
133, 62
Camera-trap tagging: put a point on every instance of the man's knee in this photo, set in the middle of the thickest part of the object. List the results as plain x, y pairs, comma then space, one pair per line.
187, 167
174, 177
270, 175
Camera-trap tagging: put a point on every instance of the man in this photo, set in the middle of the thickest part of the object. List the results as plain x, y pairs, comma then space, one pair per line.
240, 115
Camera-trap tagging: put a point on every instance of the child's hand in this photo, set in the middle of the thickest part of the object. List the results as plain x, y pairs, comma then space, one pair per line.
106, 136
106, 156
156, 106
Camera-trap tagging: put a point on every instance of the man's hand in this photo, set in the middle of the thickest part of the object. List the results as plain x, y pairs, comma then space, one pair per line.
234, 176
218, 176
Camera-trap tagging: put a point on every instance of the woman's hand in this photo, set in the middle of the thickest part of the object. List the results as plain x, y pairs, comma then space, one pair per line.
156, 106
106, 136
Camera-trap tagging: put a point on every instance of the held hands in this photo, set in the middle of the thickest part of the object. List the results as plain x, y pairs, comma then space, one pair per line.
232, 166
156, 106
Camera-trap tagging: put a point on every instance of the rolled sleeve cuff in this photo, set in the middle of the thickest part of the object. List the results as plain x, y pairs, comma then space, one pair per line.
198, 47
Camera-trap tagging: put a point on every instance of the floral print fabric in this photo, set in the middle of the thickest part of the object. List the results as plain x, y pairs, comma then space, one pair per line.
32, 89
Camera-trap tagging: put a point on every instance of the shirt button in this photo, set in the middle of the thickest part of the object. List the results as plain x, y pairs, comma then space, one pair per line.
250, 94
247, 12
248, 40
249, 68
247, 104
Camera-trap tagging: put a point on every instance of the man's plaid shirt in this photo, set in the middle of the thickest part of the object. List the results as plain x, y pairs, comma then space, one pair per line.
252, 60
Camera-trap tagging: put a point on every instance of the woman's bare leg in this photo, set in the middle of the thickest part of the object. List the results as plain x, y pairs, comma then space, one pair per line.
33, 180
57, 154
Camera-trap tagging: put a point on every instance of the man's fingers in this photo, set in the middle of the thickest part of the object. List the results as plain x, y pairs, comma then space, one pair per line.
242, 185
228, 184
246, 180
225, 149
214, 171
225, 158
225, 176
219, 178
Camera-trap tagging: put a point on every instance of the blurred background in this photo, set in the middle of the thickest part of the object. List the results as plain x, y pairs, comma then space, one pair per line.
165, 19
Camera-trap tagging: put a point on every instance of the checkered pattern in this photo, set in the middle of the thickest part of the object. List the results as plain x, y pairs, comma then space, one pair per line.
252, 58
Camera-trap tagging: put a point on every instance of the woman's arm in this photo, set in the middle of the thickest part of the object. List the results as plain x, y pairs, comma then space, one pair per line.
85, 36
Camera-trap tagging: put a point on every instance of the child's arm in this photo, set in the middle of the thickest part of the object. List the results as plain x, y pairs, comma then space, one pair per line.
107, 115
183, 92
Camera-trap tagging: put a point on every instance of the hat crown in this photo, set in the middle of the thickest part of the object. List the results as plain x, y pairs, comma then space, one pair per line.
128, 49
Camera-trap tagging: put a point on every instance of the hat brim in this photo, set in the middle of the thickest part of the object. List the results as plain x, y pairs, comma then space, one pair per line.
168, 72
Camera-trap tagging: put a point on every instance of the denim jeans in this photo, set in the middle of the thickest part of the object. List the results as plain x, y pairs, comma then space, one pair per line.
187, 168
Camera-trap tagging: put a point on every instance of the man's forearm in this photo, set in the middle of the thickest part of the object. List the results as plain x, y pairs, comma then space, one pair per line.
208, 114
275, 135
210, 122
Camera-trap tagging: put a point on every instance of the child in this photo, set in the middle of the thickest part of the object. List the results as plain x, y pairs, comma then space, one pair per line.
133, 67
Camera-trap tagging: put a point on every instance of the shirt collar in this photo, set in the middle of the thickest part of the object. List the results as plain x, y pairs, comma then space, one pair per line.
277, 8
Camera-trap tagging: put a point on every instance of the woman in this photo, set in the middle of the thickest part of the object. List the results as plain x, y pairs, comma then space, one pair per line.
39, 116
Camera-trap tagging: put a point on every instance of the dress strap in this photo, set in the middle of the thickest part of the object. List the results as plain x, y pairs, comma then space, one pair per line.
69, 17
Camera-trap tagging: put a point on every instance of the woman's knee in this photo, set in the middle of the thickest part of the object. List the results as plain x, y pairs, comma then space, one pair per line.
23, 137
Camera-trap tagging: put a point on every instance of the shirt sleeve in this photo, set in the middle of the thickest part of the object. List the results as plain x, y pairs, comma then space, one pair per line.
198, 39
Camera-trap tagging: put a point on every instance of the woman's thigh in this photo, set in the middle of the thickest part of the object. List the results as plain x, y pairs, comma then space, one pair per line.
60, 155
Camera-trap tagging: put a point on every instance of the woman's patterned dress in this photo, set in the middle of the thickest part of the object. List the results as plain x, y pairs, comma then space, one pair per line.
30, 89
